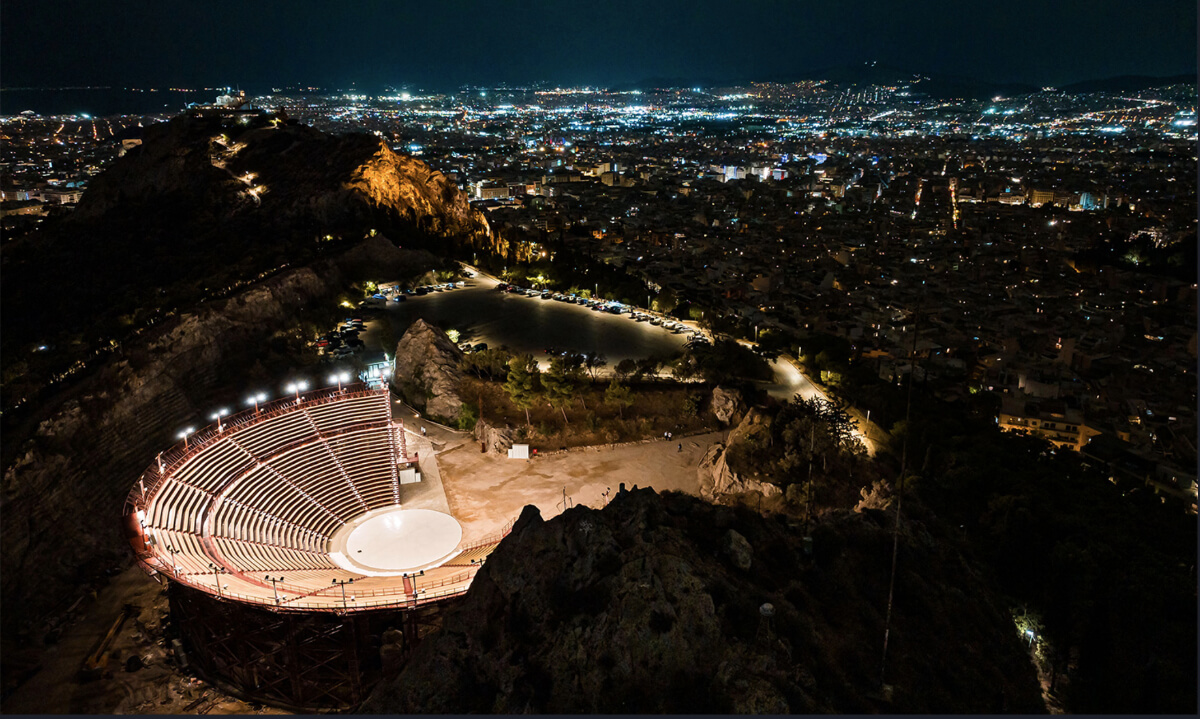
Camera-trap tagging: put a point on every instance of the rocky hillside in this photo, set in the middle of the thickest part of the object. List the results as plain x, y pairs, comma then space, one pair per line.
201, 206
63, 491
653, 605
427, 372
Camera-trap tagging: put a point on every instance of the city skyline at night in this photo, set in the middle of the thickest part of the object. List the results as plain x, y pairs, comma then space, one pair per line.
599, 358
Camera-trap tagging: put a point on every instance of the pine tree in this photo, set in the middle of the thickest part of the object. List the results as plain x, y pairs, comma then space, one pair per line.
618, 394
522, 383
560, 384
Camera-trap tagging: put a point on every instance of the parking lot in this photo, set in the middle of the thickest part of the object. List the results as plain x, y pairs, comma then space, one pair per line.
524, 322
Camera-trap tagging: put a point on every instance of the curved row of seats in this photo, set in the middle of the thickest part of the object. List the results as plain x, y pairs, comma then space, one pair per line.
271, 492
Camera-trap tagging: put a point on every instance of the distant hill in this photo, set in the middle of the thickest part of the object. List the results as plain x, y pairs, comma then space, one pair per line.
938, 86
665, 83
1128, 83
933, 85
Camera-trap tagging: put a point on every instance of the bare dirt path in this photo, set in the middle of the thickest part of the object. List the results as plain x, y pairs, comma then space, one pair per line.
486, 491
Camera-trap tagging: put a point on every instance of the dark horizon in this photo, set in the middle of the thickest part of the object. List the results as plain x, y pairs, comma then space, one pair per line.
372, 45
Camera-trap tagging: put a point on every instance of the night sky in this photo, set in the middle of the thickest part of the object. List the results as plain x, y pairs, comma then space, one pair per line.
447, 43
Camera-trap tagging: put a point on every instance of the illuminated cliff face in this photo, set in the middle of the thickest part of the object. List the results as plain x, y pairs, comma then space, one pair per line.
284, 178
412, 188
201, 205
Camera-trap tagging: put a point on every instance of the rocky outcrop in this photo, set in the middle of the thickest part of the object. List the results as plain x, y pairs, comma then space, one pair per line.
289, 174
637, 609
718, 482
495, 439
727, 405
204, 205
63, 491
427, 371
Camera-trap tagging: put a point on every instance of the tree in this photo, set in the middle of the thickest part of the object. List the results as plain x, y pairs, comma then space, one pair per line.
649, 365
665, 302
490, 362
573, 368
560, 385
522, 382
625, 368
618, 394
594, 362
685, 368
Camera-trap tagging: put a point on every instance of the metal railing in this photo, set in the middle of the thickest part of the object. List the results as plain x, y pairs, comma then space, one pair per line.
307, 598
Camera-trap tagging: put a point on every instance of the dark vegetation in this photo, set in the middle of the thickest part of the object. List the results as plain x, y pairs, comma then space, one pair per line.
571, 404
1106, 574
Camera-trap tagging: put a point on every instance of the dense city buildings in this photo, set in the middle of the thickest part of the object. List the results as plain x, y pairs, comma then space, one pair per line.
1040, 248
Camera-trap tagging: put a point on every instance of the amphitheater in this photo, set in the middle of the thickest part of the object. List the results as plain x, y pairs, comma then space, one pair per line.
284, 531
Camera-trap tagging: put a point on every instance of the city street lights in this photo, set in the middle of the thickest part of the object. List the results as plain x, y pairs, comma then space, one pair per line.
339, 378
217, 416
342, 583
184, 434
254, 399
273, 581
297, 387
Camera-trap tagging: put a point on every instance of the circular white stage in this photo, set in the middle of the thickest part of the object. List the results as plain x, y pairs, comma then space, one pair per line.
392, 541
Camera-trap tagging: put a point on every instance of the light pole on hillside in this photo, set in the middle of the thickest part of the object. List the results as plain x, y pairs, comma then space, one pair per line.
342, 583
254, 399
274, 581
184, 434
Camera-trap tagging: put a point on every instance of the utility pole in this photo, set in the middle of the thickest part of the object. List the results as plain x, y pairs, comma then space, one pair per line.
887, 623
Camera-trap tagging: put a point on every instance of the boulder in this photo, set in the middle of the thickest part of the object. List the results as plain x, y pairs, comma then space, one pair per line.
495, 439
427, 371
727, 404
739, 551
719, 482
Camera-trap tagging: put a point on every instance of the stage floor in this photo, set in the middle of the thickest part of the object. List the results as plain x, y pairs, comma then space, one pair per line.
391, 541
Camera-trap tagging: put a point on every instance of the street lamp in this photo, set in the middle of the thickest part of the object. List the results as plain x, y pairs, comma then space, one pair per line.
297, 387
184, 434
217, 572
273, 581
217, 416
174, 567
339, 378
254, 399
342, 583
